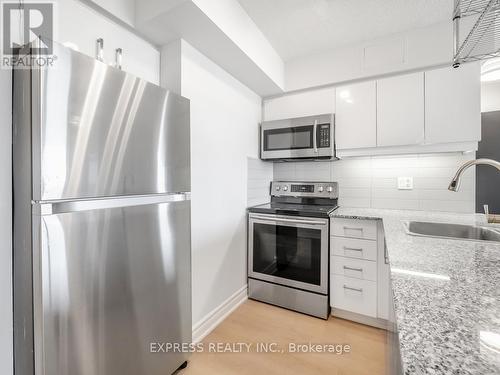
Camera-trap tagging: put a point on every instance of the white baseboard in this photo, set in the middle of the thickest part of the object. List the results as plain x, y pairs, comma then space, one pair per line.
208, 323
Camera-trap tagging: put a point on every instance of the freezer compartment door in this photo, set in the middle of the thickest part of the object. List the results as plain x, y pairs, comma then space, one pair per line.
108, 284
98, 132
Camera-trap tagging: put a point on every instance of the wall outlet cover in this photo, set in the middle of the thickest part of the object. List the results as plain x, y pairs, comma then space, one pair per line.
405, 183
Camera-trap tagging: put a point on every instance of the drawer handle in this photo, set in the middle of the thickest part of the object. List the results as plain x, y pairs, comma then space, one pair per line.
360, 290
353, 228
353, 269
353, 249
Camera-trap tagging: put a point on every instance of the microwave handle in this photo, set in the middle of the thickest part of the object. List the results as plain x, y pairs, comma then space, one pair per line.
315, 141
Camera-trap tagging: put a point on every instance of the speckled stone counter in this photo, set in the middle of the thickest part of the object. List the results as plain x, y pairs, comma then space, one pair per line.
448, 314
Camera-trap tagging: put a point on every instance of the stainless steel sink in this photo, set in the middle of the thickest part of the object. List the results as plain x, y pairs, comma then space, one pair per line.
454, 231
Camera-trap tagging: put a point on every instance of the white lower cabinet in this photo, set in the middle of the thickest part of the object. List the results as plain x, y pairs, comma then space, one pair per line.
354, 295
359, 275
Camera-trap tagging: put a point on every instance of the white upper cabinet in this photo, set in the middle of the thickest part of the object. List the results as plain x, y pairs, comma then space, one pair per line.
400, 110
356, 116
308, 103
453, 104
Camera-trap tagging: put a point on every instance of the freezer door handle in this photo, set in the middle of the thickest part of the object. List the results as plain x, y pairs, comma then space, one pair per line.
44, 208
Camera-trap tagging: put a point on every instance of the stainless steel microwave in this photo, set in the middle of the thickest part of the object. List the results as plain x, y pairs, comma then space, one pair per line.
298, 138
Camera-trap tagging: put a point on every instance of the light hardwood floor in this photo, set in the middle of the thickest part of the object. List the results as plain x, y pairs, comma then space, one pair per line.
255, 322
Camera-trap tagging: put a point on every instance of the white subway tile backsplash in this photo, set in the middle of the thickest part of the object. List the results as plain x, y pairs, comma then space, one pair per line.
445, 195
354, 182
385, 183
344, 173
395, 172
395, 194
449, 206
365, 163
284, 171
396, 204
395, 162
312, 171
259, 175
354, 192
467, 182
372, 181
354, 202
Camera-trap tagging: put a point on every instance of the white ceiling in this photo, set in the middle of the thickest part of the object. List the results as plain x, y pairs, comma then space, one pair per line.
300, 27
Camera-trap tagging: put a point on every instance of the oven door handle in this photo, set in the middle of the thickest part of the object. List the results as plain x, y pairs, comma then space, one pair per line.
284, 220
315, 140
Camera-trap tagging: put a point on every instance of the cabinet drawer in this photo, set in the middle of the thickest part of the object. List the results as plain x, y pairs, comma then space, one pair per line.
354, 228
354, 295
356, 268
354, 248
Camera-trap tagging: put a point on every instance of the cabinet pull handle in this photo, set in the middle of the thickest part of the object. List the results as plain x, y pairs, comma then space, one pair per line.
353, 249
353, 269
360, 290
353, 228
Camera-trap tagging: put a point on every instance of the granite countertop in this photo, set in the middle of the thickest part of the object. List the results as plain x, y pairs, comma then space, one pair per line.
448, 315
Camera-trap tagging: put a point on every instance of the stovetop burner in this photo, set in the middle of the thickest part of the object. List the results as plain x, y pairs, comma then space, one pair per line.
310, 199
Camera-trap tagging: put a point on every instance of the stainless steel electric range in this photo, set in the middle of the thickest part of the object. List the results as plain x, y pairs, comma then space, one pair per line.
288, 242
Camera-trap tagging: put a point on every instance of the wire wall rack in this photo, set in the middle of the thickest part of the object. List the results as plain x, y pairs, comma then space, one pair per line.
482, 41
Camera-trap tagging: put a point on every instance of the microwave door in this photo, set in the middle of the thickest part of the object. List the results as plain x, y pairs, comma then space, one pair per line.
289, 142
300, 138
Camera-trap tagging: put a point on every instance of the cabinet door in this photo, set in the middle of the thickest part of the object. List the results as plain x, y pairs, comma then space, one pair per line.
309, 103
400, 110
356, 116
453, 104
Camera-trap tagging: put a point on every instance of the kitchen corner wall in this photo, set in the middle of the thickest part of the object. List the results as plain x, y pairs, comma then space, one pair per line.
372, 181
224, 133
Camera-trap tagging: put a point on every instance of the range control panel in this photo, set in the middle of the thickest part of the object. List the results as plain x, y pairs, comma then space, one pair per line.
304, 189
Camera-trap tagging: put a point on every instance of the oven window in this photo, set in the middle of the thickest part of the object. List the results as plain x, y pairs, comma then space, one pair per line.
299, 137
287, 252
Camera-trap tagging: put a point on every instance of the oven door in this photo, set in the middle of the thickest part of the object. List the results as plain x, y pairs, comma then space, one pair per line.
287, 250
305, 137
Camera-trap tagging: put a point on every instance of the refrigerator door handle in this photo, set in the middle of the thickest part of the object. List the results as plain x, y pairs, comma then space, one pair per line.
43, 208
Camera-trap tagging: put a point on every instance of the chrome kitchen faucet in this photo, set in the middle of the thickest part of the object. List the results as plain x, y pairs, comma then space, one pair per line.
455, 183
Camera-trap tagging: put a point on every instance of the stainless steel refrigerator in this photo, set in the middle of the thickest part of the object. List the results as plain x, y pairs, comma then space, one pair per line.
101, 166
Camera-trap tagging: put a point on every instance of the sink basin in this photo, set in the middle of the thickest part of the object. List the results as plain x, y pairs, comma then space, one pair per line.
454, 231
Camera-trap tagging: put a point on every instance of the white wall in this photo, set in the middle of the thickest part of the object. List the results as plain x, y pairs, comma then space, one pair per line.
224, 132
372, 181
415, 49
5, 223
81, 25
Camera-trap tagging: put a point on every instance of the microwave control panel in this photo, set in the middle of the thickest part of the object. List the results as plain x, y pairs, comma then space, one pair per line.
323, 135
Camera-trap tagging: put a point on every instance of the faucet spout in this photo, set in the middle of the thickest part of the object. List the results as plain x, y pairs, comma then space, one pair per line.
455, 183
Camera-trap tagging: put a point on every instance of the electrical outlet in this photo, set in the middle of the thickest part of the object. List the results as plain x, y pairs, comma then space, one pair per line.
405, 183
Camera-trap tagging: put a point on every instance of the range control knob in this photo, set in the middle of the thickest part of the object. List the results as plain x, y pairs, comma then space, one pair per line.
285, 188
329, 189
278, 188
320, 189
